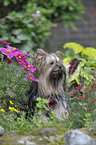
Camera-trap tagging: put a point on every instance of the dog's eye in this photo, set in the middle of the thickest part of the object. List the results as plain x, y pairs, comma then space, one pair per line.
51, 63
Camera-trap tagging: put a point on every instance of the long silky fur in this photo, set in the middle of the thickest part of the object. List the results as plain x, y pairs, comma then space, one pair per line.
48, 86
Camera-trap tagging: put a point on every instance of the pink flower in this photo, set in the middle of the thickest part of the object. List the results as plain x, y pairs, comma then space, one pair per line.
93, 101
31, 77
9, 51
89, 108
85, 90
71, 95
93, 85
20, 57
52, 102
86, 96
80, 98
9, 60
28, 54
91, 89
29, 66
4, 42
74, 90
77, 87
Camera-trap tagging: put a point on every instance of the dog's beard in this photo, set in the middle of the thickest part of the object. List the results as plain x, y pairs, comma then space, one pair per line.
56, 76
51, 81
52, 76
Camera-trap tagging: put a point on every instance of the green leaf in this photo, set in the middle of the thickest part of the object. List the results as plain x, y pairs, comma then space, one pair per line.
39, 99
76, 78
16, 31
6, 3
74, 46
22, 36
67, 60
90, 51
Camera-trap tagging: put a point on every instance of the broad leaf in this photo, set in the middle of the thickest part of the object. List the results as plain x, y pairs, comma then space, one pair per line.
74, 46
90, 51
67, 60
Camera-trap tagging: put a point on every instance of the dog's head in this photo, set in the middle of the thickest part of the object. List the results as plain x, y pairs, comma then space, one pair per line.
50, 71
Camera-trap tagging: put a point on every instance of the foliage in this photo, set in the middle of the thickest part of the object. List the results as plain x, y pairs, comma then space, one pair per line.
13, 87
25, 31
84, 65
20, 122
12, 76
82, 106
64, 9
28, 28
8, 2
13, 98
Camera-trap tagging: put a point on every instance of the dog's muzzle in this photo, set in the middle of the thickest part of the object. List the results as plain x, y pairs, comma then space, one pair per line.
57, 72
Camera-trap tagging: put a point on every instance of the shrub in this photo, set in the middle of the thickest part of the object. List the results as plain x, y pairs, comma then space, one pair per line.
13, 83
13, 86
82, 65
82, 106
28, 28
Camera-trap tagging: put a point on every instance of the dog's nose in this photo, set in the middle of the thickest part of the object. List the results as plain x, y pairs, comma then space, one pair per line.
60, 67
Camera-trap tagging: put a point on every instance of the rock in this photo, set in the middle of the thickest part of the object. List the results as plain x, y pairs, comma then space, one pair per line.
25, 140
47, 129
1, 131
45, 135
76, 137
94, 127
40, 136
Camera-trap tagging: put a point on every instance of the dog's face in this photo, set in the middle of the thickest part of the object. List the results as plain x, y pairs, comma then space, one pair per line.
50, 72
54, 69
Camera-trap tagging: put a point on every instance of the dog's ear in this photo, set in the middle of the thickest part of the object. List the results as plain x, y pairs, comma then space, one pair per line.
59, 54
40, 53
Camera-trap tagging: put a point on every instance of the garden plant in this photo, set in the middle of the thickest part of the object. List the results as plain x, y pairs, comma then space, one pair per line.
16, 74
29, 27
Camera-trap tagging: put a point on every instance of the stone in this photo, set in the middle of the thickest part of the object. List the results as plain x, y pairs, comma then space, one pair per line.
76, 137
53, 134
25, 140
94, 127
47, 129
1, 131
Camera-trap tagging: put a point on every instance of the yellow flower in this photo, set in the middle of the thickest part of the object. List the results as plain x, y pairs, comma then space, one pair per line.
11, 108
28, 65
14, 48
16, 110
30, 78
19, 57
2, 110
8, 51
11, 102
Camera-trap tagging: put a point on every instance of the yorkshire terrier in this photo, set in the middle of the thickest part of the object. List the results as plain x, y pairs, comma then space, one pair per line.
51, 74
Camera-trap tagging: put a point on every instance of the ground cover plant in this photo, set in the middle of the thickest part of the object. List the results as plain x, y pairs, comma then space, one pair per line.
16, 77
81, 79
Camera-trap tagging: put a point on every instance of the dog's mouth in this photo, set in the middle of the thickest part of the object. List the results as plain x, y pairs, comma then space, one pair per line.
56, 74
52, 103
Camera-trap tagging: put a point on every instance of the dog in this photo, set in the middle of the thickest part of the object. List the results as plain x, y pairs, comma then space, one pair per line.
51, 74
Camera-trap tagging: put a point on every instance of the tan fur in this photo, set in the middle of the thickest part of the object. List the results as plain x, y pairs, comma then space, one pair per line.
52, 75
42, 63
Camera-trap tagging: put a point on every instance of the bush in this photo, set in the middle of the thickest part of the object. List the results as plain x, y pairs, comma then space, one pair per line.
82, 106
13, 86
81, 65
28, 28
